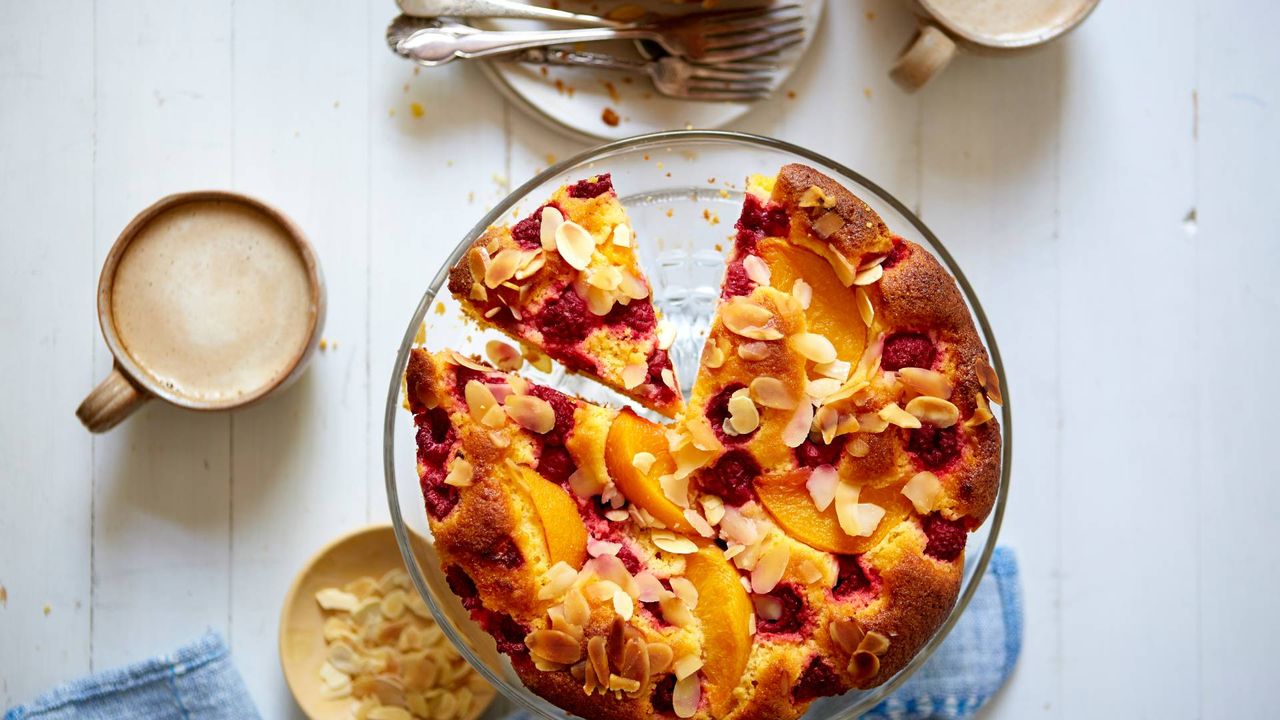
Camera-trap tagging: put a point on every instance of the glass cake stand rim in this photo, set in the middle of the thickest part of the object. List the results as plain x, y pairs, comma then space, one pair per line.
519, 693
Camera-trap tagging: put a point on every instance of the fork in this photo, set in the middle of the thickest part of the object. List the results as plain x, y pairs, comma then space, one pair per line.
671, 76
709, 38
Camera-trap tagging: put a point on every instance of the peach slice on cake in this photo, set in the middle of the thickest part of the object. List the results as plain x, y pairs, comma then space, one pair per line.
724, 611
565, 280
637, 455
565, 532
787, 498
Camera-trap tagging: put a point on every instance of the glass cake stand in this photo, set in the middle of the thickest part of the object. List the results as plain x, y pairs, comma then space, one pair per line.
683, 191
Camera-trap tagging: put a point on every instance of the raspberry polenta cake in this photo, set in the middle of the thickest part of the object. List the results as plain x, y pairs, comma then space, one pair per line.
565, 281
796, 532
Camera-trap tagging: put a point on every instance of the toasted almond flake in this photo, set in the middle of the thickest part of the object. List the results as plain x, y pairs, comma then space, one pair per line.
935, 411
479, 399
550, 222
502, 267
575, 244
869, 276
660, 657
753, 351
814, 347
743, 415
808, 572
669, 379
576, 608
606, 277
596, 548
869, 363
503, 356
826, 420
332, 677
874, 643
797, 429
676, 612
846, 502
532, 263
623, 605
827, 225
559, 578
686, 697
622, 235
866, 310
822, 484
675, 489
531, 413
771, 567
926, 382
713, 358
699, 523
343, 658
858, 447
701, 435
923, 490
990, 382
712, 508
864, 666
802, 292
846, 634
617, 683
837, 370
599, 301
460, 473
585, 484
632, 287
686, 666
685, 590
740, 315
815, 197
981, 412
738, 527
672, 543
335, 599
666, 334
643, 461
757, 270
389, 712
633, 375
773, 393
895, 415
767, 606
821, 388
601, 590
598, 655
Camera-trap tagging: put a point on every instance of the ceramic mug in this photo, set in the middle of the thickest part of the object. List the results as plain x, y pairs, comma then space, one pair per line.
983, 26
212, 267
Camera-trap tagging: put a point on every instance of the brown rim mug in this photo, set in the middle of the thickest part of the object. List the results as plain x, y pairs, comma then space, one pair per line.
128, 385
938, 37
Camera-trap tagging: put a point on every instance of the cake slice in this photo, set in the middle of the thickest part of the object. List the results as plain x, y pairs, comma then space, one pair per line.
565, 281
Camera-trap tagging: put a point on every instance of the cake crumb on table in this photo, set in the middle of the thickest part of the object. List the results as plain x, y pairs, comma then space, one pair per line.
47, 609
417, 109
4, 597
610, 117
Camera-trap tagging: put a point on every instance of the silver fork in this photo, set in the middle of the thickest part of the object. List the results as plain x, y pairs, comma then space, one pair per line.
712, 38
671, 76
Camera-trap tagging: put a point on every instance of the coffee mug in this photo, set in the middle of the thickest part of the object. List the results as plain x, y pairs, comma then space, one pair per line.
984, 26
208, 300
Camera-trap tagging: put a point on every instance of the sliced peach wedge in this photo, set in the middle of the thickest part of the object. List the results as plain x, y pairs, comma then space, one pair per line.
787, 499
832, 311
630, 435
566, 535
724, 610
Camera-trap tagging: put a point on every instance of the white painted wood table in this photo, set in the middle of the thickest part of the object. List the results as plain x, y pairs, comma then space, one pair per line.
1112, 199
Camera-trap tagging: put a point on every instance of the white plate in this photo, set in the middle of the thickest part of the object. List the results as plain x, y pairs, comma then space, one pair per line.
576, 103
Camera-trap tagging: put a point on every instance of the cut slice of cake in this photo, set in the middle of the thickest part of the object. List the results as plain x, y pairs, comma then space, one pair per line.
565, 281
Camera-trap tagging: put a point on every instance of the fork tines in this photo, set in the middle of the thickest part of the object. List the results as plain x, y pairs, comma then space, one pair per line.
736, 36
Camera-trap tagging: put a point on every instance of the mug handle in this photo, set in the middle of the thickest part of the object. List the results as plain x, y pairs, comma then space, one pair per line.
112, 401
925, 56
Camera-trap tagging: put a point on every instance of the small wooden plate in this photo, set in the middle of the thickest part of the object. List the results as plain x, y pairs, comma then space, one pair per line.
370, 551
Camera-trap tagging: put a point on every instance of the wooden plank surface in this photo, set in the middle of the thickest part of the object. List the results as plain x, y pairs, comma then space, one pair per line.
1138, 334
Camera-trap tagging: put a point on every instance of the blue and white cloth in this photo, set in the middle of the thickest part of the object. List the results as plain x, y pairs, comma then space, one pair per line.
198, 682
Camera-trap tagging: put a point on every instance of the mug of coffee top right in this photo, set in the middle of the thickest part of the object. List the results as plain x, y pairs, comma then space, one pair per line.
985, 26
